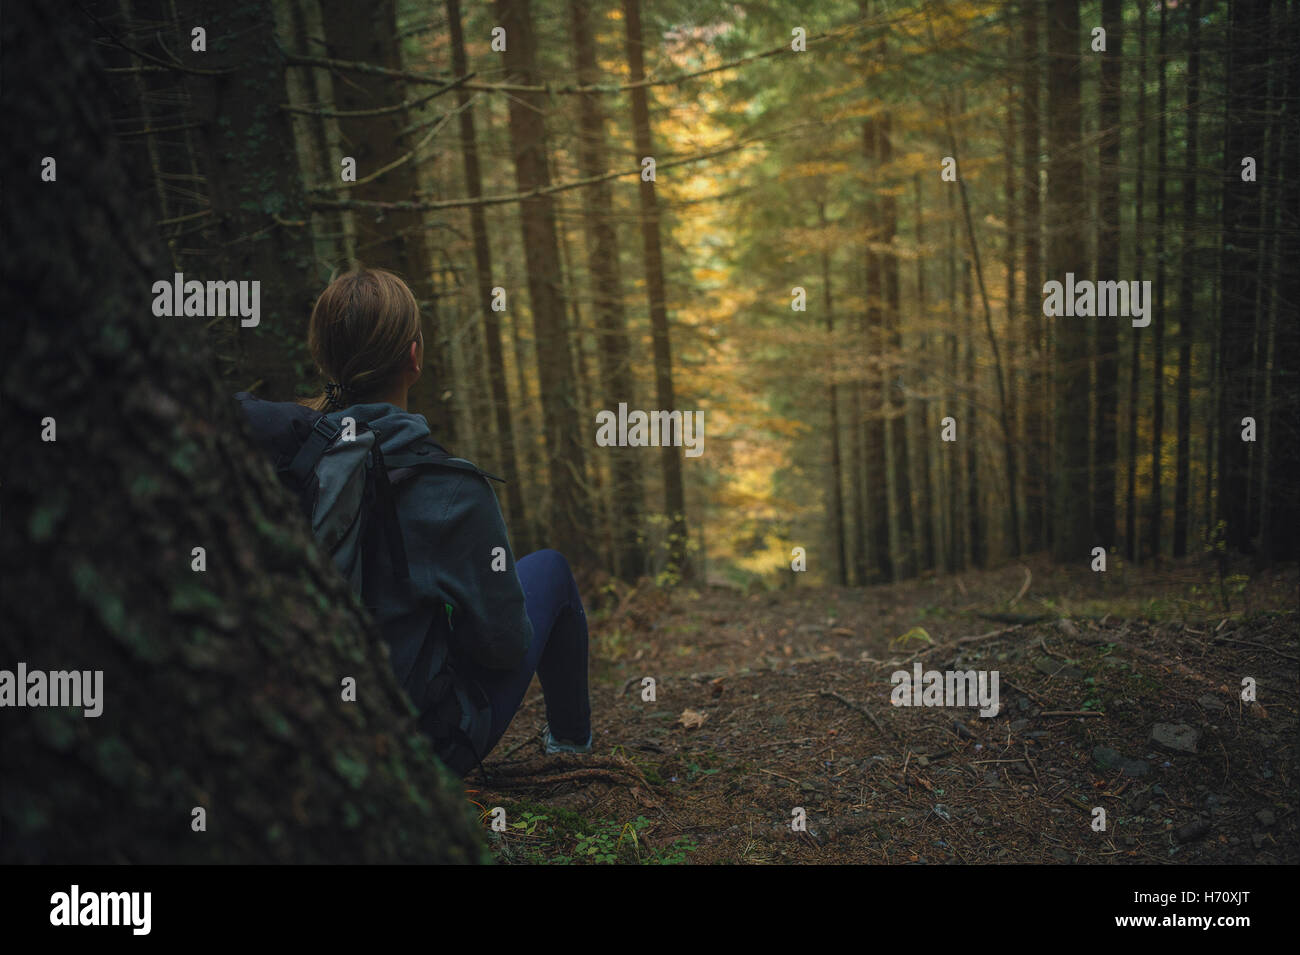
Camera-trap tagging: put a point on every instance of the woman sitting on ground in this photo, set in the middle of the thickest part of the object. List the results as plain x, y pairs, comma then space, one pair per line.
496, 622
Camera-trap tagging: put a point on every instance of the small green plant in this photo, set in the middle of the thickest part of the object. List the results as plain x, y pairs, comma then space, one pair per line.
528, 822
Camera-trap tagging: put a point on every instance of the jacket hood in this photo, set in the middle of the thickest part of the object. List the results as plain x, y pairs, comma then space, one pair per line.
398, 429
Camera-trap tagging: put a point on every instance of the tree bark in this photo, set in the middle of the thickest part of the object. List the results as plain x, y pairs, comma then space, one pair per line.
1155, 514
367, 32
977, 533
1036, 455
837, 468
922, 408
503, 455
1065, 254
905, 544
221, 688
1247, 87
1283, 505
877, 474
254, 187
1187, 287
1108, 249
570, 507
1132, 541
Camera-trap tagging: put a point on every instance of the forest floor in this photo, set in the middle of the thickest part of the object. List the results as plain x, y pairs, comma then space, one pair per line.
781, 699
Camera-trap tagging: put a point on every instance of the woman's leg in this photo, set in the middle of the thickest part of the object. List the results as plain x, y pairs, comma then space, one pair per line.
558, 653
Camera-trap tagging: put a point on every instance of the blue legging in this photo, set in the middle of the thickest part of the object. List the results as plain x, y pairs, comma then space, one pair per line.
557, 654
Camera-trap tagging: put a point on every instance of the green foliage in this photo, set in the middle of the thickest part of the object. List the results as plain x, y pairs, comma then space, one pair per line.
550, 835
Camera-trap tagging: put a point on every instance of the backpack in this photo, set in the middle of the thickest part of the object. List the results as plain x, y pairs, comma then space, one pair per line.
345, 489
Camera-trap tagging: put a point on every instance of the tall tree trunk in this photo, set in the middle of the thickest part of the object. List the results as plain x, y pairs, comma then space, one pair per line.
396, 238
311, 133
922, 408
1266, 309
1187, 287
221, 688
1247, 88
570, 508
1065, 254
1012, 522
1108, 247
961, 411
241, 122
1009, 263
1132, 542
674, 491
858, 475
503, 455
877, 476
593, 477
618, 380
1283, 506
1155, 515
1036, 453
977, 535
905, 545
837, 469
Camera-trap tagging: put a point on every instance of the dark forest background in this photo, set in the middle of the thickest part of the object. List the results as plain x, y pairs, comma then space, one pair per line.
823, 170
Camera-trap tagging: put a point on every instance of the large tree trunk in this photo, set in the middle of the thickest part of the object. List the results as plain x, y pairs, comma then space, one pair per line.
1065, 254
570, 510
618, 382
221, 688
674, 491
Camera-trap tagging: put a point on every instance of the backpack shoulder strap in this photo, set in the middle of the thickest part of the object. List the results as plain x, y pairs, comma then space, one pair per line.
323, 432
429, 454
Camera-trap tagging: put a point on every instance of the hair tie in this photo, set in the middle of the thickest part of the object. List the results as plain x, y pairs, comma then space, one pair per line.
334, 395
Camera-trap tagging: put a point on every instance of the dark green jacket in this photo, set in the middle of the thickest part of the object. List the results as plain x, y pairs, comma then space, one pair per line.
451, 527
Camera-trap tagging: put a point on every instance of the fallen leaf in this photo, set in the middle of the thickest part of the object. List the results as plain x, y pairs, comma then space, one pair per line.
692, 719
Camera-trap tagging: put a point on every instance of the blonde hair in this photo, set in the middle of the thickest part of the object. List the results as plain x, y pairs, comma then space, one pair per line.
360, 332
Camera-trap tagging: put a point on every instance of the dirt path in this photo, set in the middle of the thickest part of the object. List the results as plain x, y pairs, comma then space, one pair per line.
775, 702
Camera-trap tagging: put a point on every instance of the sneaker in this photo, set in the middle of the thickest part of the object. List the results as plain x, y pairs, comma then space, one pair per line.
552, 745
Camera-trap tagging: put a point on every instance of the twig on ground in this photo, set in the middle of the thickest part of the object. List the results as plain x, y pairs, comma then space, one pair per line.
1261, 646
829, 694
1029, 575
